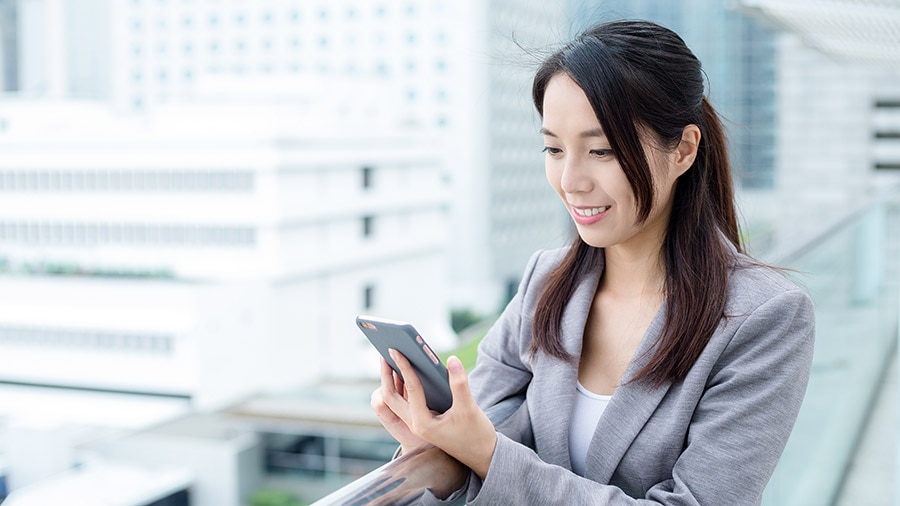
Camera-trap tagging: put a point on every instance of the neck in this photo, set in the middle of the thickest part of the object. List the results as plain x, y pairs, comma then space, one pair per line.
634, 272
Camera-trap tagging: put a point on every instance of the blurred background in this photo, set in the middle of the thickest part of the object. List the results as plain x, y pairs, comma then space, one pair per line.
197, 197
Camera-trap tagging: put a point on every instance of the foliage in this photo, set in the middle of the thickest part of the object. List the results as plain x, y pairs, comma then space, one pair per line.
460, 319
467, 352
274, 497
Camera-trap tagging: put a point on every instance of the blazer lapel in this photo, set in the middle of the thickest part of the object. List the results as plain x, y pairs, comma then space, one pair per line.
628, 410
554, 390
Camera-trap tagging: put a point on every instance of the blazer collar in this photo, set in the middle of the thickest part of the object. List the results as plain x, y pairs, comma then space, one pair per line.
628, 410
555, 388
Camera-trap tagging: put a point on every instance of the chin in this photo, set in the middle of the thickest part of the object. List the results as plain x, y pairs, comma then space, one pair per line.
593, 241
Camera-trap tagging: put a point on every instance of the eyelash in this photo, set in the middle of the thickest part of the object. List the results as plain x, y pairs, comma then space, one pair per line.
599, 153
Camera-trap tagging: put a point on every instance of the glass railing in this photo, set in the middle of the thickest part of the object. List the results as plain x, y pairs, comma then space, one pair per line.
851, 272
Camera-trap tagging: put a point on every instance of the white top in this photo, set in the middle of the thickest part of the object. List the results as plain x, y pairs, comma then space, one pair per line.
585, 415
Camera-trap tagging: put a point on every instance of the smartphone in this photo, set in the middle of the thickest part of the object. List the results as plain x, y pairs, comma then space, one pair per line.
403, 337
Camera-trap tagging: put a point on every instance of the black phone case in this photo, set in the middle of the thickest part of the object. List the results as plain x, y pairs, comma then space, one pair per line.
403, 337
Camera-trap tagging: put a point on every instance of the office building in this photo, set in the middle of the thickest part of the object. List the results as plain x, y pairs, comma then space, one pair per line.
459, 69
188, 254
9, 58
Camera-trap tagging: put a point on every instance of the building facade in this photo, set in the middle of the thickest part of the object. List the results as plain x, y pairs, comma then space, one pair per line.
211, 259
458, 69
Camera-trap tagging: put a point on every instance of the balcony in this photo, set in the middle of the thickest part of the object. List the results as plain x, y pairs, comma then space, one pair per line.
850, 270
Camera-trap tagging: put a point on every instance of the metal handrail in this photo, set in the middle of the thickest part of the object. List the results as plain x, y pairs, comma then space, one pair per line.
410, 477
845, 220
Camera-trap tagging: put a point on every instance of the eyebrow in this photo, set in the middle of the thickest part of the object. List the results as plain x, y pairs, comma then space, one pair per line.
596, 132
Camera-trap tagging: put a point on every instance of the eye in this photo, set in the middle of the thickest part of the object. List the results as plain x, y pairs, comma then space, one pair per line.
602, 153
551, 151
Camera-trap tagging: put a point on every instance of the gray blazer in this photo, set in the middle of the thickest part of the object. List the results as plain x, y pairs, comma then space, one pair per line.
712, 439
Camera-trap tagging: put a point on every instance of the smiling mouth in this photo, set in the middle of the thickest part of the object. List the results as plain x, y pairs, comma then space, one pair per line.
587, 212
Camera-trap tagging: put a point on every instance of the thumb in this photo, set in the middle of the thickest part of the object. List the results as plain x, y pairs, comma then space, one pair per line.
459, 381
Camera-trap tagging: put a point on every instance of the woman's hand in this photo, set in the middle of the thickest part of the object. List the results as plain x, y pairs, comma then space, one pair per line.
390, 383
463, 431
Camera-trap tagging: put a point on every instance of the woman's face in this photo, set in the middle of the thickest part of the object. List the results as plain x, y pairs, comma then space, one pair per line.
584, 171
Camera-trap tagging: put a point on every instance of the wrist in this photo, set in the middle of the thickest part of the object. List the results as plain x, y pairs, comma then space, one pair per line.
481, 462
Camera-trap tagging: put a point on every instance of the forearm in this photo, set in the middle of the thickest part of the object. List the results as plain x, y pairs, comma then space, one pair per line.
545, 483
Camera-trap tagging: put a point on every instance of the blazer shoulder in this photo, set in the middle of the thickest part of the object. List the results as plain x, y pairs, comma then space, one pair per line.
752, 284
545, 260
541, 263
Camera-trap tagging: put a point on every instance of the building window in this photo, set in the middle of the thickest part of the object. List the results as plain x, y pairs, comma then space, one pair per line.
80, 234
368, 297
367, 225
58, 337
367, 177
142, 181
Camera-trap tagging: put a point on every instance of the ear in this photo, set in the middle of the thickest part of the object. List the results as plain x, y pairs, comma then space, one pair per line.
686, 151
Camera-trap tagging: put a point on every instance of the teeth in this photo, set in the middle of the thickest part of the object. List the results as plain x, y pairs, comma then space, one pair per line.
590, 212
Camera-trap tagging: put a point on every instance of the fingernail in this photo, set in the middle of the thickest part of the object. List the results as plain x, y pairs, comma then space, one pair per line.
393, 353
454, 365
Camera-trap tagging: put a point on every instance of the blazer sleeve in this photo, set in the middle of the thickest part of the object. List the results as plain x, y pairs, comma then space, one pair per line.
500, 378
737, 434
502, 370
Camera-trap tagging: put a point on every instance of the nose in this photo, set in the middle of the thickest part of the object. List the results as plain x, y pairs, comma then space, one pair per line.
575, 177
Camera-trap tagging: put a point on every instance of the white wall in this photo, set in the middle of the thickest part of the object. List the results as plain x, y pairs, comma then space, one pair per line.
217, 463
825, 148
35, 452
68, 316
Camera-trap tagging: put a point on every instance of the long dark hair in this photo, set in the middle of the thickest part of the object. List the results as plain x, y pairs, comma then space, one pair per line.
640, 76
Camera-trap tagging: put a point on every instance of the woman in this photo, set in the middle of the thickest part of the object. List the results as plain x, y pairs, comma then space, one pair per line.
658, 363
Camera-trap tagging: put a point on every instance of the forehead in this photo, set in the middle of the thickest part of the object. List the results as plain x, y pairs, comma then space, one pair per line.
565, 104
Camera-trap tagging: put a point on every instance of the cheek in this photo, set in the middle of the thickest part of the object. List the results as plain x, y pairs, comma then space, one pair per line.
622, 192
